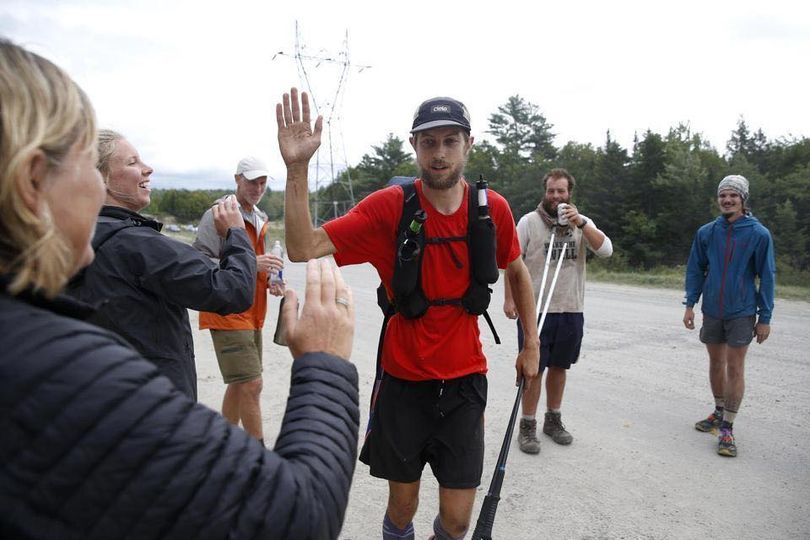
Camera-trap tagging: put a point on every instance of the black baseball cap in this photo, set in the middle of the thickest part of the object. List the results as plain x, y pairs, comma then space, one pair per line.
441, 112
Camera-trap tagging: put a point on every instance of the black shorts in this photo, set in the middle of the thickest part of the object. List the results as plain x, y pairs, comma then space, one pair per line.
734, 332
560, 339
435, 422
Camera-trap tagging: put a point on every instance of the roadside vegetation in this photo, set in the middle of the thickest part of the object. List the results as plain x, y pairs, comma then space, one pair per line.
650, 199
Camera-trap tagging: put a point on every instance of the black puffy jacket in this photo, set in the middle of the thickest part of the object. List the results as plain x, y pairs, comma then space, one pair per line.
142, 282
96, 443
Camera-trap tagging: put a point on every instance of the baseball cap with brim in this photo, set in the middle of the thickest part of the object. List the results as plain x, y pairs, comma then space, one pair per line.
440, 112
251, 168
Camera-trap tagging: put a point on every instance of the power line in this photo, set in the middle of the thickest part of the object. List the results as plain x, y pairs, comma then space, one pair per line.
307, 64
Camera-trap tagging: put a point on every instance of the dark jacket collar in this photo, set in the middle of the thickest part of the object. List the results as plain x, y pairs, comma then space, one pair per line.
119, 212
61, 304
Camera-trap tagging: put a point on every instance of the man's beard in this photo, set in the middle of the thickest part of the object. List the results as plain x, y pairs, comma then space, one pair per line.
452, 178
552, 211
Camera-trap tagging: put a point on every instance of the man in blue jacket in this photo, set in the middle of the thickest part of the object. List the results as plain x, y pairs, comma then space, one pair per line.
727, 256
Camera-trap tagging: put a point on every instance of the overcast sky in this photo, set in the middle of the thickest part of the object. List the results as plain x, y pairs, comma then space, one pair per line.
193, 84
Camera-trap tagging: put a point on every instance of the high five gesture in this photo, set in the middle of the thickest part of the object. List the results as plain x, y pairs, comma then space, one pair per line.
296, 139
297, 143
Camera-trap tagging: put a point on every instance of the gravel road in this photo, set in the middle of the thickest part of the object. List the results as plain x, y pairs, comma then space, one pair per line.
637, 467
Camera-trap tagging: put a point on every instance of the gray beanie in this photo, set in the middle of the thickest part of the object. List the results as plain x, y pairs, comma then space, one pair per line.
734, 182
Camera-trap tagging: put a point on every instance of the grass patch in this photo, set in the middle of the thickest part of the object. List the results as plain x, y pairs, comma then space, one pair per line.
647, 279
673, 278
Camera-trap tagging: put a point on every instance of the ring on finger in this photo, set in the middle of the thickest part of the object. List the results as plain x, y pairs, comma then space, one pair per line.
342, 302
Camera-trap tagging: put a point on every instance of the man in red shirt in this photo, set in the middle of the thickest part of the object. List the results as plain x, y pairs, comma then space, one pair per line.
430, 403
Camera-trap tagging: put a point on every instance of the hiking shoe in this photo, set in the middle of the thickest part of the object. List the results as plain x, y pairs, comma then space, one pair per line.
709, 424
554, 428
527, 437
725, 443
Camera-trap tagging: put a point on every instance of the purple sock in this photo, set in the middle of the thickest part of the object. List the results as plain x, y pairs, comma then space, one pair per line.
440, 533
392, 532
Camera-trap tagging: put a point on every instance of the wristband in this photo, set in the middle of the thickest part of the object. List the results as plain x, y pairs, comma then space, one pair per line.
585, 221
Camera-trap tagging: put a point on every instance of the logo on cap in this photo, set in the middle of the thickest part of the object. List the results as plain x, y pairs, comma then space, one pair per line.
440, 112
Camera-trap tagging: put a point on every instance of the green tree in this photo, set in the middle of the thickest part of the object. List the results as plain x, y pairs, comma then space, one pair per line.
386, 159
272, 204
372, 173
754, 146
648, 161
606, 191
789, 239
640, 240
483, 160
684, 196
521, 129
787, 155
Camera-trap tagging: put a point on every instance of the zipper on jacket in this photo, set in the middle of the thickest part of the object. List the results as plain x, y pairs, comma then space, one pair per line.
729, 252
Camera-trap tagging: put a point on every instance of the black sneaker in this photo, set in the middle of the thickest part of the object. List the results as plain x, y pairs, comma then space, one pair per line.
554, 428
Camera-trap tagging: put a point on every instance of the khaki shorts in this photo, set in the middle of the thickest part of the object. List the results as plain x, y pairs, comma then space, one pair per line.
239, 353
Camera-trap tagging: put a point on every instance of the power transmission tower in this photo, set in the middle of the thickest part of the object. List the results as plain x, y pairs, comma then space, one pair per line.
325, 76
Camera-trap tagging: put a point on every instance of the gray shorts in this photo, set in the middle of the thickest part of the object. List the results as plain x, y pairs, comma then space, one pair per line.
239, 353
734, 332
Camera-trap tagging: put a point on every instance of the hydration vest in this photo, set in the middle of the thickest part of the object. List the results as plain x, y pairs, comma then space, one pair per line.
409, 299
406, 286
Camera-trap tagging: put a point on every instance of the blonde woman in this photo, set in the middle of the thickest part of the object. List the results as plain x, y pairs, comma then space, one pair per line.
94, 441
144, 282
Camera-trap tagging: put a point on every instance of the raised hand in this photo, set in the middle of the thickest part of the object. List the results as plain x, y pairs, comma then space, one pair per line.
296, 139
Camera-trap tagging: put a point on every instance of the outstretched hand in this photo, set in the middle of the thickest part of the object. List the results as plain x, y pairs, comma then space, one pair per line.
326, 323
296, 139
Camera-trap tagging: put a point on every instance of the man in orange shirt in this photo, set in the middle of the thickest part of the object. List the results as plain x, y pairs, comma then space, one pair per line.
238, 337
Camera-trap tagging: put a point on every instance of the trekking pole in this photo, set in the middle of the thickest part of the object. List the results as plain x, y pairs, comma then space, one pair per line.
545, 275
561, 256
486, 518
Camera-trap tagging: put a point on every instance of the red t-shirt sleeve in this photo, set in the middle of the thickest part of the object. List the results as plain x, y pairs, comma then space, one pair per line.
367, 233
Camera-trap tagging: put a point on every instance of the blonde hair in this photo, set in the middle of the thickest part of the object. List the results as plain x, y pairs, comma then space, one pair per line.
41, 109
107, 139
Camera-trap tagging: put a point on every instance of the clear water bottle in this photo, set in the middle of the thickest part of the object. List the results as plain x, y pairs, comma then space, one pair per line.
483, 202
276, 276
